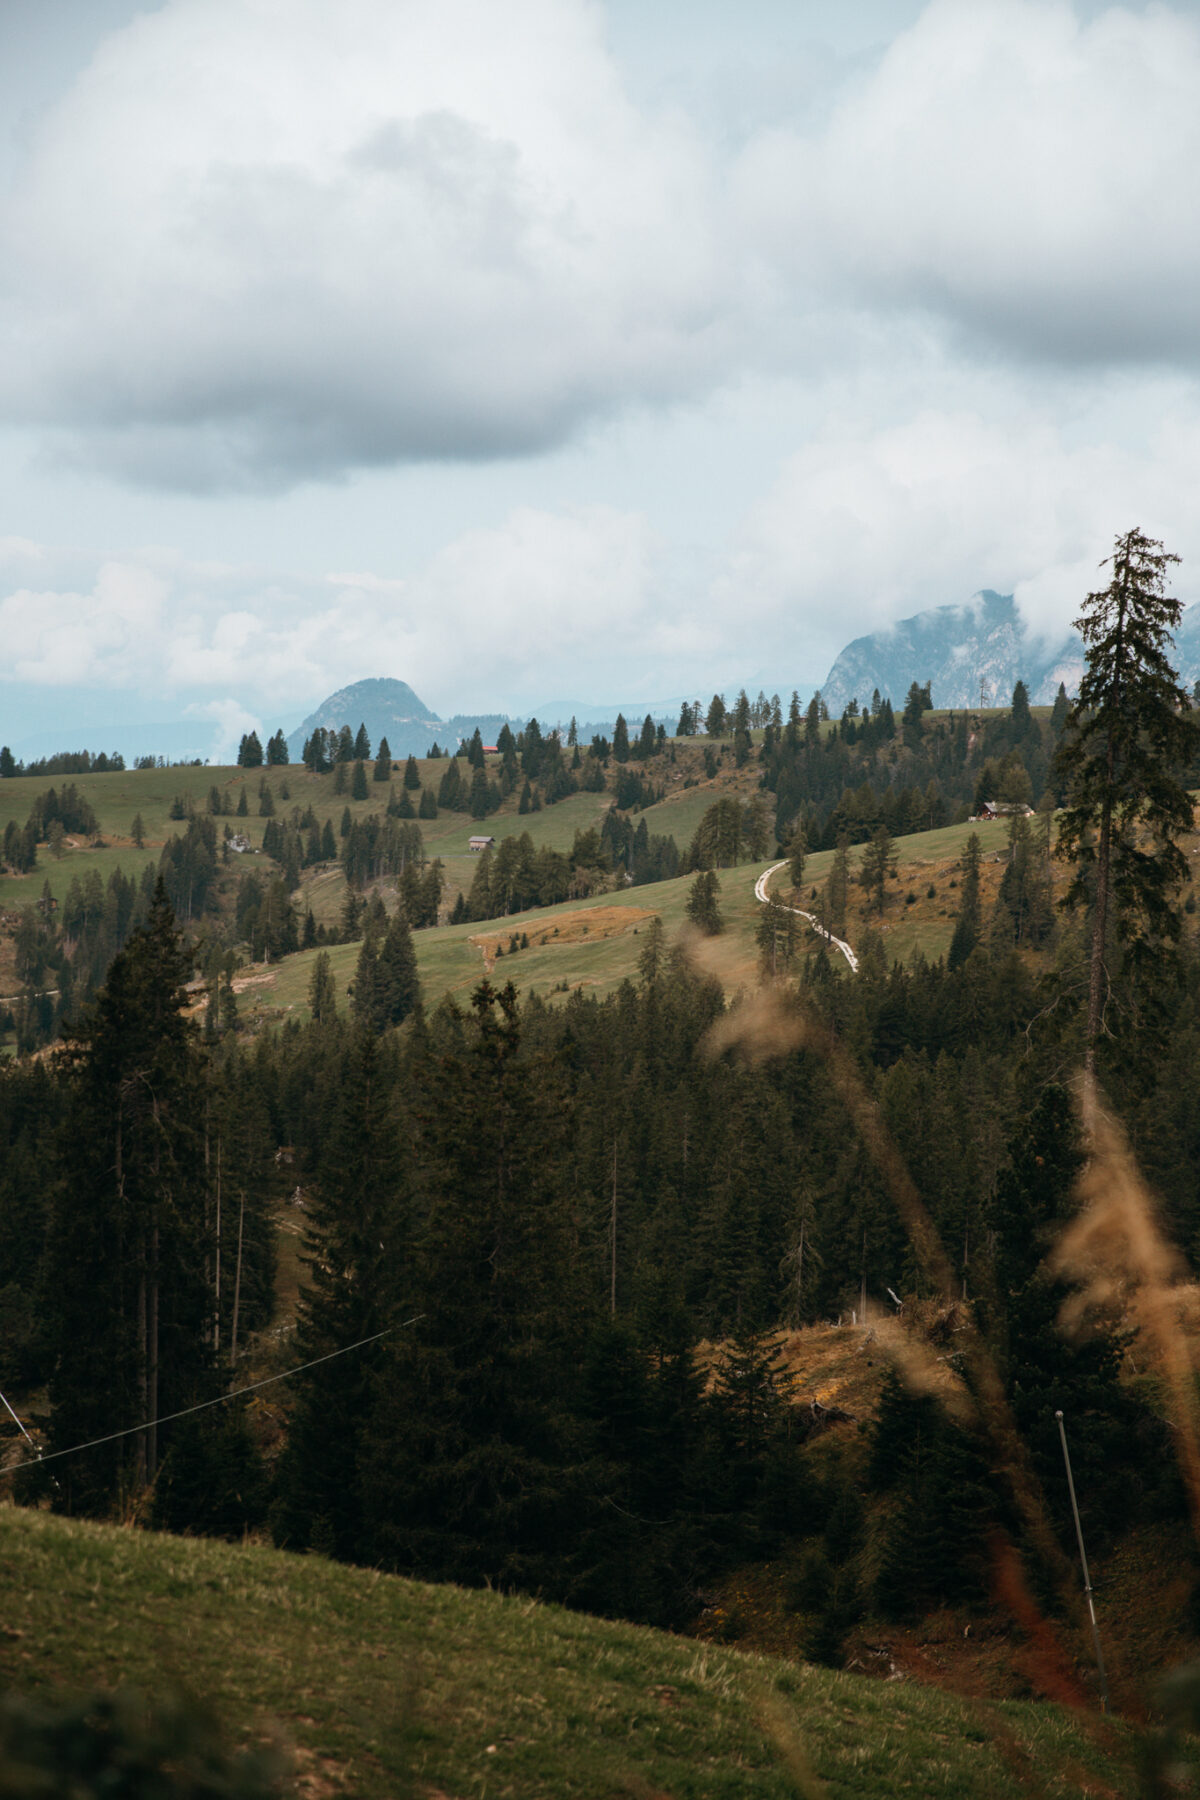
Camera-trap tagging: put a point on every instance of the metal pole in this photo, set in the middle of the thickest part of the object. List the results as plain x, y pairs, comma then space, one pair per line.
1087, 1580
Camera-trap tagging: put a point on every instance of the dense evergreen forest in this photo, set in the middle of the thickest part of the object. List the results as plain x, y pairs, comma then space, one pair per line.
548, 1248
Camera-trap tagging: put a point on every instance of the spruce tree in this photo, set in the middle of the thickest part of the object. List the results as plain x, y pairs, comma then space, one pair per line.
383, 762
322, 994
412, 775
362, 745
969, 923
878, 861
620, 744
358, 1237
701, 907
126, 1295
474, 1472
397, 985
1130, 737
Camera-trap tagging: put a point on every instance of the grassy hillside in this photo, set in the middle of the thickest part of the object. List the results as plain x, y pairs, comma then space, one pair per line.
386, 1687
595, 944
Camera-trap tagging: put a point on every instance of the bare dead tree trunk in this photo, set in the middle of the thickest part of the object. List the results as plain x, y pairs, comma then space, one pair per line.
217, 1285
1096, 981
237, 1281
612, 1299
152, 1335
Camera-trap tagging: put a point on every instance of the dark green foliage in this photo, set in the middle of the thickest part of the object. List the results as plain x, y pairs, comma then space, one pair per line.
620, 743
358, 784
473, 1468
125, 1278
250, 754
359, 1234
702, 908
412, 775
1129, 739
277, 750
213, 1481
969, 923
877, 863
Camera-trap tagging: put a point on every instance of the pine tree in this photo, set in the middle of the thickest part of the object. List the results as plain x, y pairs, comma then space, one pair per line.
969, 923
837, 886
412, 774
397, 985
127, 1300
701, 907
322, 994
359, 1230
473, 1466
620, 747
383, 762
798, 856
362, 745
358, 786
878, 861
1128, 741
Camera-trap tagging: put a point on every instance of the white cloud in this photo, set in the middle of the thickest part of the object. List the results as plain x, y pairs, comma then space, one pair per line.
262, 239
55, 639
232, 721
867, 524
1022, 173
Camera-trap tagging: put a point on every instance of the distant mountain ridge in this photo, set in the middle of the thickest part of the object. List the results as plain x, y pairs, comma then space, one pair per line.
961, 651
979, 648
390, 708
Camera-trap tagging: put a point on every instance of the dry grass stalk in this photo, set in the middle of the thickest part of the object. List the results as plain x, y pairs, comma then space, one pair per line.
780, 1726
760, 1025
985, 1403
919, 1366
1128, 1272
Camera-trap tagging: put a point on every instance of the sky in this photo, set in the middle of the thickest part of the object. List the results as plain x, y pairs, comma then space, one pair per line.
573, 348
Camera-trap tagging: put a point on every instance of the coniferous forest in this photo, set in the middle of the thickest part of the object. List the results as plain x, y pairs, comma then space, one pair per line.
550, 1249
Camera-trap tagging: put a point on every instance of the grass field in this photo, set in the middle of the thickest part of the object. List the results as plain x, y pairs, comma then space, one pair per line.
384, 1687
451, 959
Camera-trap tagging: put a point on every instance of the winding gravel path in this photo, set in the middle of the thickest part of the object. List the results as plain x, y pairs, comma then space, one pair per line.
760, 893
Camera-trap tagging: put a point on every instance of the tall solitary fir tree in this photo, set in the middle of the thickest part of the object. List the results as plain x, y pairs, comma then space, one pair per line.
1130, 736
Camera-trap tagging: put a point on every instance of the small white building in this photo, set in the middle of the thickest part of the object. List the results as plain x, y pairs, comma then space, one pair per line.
480, 843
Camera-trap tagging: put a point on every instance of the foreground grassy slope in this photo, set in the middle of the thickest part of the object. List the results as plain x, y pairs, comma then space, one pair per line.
387, 1687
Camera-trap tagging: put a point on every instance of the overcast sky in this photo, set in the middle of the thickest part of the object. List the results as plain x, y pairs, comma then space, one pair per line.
573, 349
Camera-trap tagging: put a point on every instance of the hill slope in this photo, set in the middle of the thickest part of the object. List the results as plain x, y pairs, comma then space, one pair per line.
390, 1687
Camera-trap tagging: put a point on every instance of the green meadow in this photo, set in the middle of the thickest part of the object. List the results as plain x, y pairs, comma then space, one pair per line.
380, 1687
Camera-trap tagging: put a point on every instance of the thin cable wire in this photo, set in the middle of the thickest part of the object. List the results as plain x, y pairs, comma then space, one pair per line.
36, 1462
20, 1427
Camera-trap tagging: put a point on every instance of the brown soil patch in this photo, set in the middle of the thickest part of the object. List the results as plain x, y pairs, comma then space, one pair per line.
591, 925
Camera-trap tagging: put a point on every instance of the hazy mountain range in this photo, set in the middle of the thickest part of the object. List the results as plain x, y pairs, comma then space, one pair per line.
971, 654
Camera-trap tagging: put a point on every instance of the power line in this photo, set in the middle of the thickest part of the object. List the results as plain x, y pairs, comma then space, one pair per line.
166, 1418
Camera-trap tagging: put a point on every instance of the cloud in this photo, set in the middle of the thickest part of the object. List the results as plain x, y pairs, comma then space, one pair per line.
258, 241
232, 721
869, 522
545, 601
1006, 167
56, 638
